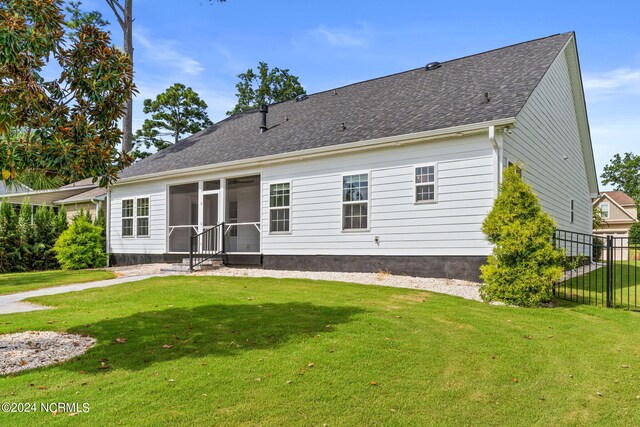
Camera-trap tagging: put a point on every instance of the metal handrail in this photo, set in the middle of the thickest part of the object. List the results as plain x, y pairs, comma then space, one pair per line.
209, 244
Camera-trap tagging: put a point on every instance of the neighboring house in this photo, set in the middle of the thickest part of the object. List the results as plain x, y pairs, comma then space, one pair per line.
618, 210
395, 173
79, 195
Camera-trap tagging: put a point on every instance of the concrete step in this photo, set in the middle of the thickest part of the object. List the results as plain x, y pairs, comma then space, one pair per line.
184, 268
212, 261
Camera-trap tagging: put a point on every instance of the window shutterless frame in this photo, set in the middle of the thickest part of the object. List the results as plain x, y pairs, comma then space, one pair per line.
280, 207
604, 210
425, 178
354, 207
136, 217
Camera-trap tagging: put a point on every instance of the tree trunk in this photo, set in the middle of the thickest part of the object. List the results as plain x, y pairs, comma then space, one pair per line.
127, 123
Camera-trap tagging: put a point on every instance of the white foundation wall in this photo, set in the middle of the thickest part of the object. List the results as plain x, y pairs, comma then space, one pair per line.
451, 226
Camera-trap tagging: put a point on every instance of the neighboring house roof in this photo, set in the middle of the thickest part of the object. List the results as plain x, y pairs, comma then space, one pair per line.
54, 196
87, 196
620, 197
15, 188
399, 104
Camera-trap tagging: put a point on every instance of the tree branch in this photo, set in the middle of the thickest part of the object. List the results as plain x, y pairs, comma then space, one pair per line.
114, 5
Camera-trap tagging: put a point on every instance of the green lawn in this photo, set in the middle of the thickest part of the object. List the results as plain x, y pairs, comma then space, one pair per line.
591, 288
19, 282
294, 352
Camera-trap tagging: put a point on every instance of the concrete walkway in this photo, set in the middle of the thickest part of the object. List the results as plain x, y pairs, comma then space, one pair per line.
12, 303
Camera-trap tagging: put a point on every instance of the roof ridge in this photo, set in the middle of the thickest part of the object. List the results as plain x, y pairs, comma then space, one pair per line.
420, 68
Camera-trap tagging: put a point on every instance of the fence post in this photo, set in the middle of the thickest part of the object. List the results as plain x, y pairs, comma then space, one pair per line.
609, 270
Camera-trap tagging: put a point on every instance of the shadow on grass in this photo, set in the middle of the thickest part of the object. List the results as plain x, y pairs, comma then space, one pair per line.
222, 330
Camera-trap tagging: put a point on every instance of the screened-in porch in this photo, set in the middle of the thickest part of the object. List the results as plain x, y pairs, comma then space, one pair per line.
195, 207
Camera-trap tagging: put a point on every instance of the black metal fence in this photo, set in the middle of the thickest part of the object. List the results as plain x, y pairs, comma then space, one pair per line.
599, 270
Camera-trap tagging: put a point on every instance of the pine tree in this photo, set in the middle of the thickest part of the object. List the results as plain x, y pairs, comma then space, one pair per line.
524, 263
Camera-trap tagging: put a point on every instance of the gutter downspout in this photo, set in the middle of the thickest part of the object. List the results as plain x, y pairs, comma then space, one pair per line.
498, 147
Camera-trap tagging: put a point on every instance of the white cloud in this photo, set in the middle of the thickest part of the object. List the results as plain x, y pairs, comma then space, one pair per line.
344, 37
619, 80
166, 53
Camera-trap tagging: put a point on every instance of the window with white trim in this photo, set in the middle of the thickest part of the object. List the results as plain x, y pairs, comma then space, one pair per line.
142, 217
604, 210
355, 202
425, 183
571, 215
127, 218
135, 217
280, 208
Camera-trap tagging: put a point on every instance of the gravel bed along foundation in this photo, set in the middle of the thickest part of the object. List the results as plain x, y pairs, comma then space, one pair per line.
460, 288
34, 349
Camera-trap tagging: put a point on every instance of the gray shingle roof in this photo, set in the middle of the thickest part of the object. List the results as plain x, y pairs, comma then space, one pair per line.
403, 103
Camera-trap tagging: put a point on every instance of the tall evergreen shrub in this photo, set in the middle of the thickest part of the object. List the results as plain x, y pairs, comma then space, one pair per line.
9, 248
524, 263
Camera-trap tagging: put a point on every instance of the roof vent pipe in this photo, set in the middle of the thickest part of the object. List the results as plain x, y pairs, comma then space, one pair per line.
264, 109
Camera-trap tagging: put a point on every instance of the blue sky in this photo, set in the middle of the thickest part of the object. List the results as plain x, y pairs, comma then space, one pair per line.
333, 43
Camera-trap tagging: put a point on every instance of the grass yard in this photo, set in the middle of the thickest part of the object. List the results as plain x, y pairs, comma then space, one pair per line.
20, 282
240, 351
591, 288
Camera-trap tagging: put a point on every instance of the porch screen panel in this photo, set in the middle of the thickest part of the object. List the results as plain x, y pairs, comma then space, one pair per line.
183, 216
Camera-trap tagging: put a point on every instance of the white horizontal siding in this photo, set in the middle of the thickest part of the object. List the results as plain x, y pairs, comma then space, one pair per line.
449, 227
155, 243
546, 132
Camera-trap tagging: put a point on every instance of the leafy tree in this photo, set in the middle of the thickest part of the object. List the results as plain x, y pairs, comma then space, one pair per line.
624, 174
598, 221
70, 122
524, 264
123, 11
80, 246
265, 86
175, 112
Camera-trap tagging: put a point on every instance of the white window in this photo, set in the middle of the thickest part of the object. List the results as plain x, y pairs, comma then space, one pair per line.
355, 202
280, 208
127, 218
604, 208
142, 217
571, 210
425, 183
135, 217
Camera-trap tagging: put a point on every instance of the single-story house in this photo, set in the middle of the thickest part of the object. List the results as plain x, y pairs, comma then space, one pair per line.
619, 211
81, 195
395, 173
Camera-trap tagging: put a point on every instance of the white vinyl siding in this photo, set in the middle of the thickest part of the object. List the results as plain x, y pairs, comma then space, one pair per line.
546, 140
465, 187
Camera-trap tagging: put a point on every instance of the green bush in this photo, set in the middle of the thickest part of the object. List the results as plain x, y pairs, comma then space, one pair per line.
45, 233
80, 246
524, 263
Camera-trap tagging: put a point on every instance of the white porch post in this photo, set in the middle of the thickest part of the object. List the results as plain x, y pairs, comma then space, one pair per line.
200, 206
